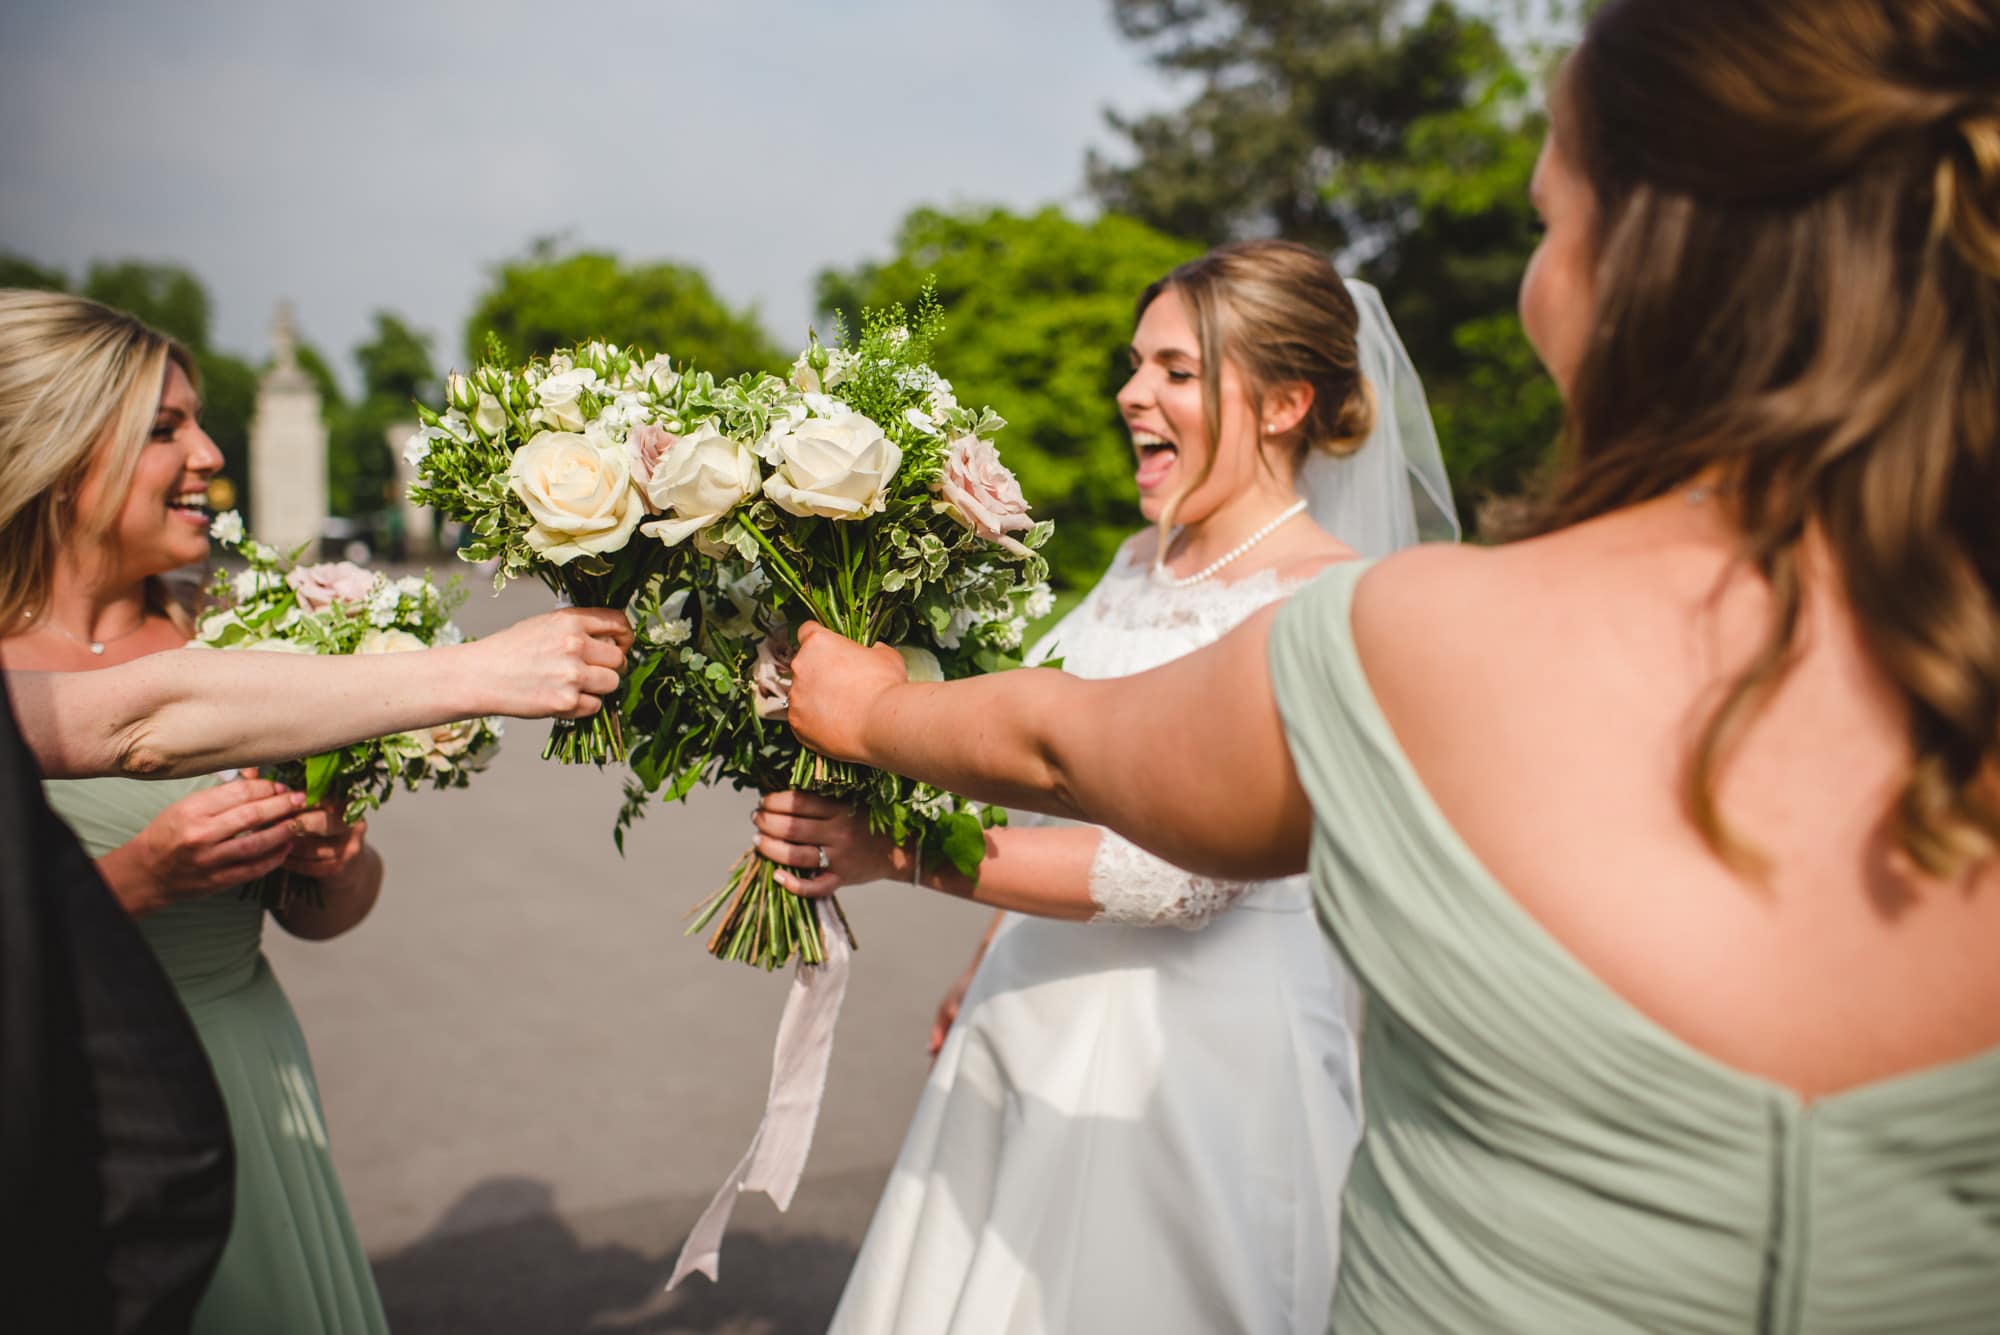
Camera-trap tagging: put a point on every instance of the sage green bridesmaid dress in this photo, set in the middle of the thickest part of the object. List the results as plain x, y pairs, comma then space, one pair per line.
1538, 1156
293, 1264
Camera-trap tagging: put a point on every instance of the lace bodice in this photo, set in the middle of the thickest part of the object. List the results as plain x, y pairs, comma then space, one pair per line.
1129, 623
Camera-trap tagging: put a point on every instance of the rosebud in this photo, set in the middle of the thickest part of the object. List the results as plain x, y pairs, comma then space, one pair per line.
461, 393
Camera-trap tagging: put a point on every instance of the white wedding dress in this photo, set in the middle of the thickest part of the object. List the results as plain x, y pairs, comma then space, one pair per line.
1131, 1128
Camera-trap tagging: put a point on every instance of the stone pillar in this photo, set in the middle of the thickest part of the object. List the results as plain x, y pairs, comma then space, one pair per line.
288, 450
417, 540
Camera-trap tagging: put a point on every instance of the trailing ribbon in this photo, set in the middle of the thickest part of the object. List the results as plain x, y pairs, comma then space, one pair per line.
777, 1154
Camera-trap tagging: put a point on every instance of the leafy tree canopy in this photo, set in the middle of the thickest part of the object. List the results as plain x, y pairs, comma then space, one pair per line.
545, 300
1038, 312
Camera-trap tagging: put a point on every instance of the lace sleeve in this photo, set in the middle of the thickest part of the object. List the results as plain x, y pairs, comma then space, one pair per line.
1131, 886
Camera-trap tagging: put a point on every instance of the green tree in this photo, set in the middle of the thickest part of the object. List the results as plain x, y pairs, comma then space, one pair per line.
545, 300
396, 371
1400, 142
396, 363
1289, 90
1459, 179
1039, 314
165, 296
21, 272
228, 400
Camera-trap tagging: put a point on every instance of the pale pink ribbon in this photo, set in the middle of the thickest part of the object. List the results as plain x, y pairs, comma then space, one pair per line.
777, 1153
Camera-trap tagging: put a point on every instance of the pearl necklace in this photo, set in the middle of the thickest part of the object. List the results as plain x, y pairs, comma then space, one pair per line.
1296, 508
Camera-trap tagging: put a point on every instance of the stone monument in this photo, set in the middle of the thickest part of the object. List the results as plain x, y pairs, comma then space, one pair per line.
417, 542
287, 449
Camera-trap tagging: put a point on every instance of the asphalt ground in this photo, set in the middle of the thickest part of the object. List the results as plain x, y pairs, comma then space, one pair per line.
533, 1082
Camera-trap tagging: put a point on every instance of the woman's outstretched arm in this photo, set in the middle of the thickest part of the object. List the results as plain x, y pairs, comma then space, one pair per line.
1187, 761
196, 711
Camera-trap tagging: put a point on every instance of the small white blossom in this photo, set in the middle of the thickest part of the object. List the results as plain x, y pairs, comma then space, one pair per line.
383, 605
262, 553
250, 583
226, 527
1010, 636
1041, 601
962, 620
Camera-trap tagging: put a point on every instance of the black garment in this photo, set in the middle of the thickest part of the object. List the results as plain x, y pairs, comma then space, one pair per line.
116, 1173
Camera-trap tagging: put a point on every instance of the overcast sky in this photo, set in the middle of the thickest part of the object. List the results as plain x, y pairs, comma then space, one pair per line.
373, 154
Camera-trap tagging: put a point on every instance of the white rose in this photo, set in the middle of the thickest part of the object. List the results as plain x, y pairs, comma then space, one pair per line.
249, 583
490, 418
804, 378
442, 744
560, 398
836, 467
215, 623
919, 664
697, 479
389, 642
659, 375
581, 496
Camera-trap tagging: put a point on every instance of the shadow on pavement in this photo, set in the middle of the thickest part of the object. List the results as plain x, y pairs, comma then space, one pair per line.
503, 1261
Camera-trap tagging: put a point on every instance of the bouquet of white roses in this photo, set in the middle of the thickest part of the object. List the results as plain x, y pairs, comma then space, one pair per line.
537, 462
859, 494
337, 607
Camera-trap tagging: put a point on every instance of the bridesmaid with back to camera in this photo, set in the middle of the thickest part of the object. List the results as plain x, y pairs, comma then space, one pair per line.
1665, 845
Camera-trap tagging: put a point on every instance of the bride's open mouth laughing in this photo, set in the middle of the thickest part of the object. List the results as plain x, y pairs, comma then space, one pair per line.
1157, 457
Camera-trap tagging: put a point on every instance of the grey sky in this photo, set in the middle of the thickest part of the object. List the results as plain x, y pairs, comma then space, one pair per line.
383, 153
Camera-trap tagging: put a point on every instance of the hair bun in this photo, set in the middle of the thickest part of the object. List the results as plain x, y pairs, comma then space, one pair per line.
1348, 431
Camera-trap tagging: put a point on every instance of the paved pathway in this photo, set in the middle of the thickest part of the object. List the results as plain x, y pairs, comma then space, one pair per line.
533, 1082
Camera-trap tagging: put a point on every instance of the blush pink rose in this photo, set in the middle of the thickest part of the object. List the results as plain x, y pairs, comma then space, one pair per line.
648, 444
982, 494
771, 678
320, 587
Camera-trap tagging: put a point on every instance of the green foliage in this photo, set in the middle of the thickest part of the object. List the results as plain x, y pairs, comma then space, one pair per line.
228, 398
1040, 314
396, 374
1289, 89
1460, 179
21, 272
315, 364
541, 302
396, 363
165, 296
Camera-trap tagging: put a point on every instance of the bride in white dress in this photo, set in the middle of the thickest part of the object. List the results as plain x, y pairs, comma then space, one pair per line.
1141, 1117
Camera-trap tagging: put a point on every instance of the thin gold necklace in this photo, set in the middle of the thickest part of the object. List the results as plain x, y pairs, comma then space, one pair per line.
95, 646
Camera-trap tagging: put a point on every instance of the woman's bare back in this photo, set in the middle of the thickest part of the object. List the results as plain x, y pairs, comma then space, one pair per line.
1550, 695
